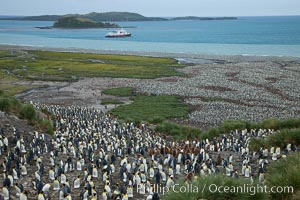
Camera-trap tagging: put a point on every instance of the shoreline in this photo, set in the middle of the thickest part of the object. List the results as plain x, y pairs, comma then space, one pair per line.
191, 58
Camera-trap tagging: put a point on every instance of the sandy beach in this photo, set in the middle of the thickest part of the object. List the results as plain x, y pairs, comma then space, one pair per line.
218, 88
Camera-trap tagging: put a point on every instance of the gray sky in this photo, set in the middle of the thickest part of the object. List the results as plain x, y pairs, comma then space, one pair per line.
154, 7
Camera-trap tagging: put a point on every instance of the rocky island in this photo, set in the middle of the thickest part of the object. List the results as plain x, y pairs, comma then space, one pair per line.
79, 22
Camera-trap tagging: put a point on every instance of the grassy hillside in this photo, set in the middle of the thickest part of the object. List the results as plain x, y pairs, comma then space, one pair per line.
120, 16
12, 105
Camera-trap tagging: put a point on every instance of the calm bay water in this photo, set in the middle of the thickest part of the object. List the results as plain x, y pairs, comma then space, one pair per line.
247, 35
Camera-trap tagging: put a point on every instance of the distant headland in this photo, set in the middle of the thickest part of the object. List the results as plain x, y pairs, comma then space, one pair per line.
98, 17
113, 17
203, 18
101, 20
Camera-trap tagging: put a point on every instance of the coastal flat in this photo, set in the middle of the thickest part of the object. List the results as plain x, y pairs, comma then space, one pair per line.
217, 88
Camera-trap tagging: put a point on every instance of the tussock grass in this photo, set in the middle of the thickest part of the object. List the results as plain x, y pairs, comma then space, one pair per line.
287, 134
28, 112
285, 172
257, 143
279, 139
179, 131
8, 103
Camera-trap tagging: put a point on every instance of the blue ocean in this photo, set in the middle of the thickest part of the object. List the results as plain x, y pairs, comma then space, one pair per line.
264, 36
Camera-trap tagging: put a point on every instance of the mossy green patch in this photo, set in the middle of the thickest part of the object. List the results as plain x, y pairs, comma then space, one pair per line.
43, 65
13, 89
151, 108
110, 101
66, 66
121, 91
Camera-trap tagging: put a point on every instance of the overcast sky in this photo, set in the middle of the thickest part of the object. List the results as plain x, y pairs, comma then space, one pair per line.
162, 8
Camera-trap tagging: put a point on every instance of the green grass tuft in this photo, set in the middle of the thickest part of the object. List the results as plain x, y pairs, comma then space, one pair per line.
46, 125
257, 143
9, 104
28, 112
